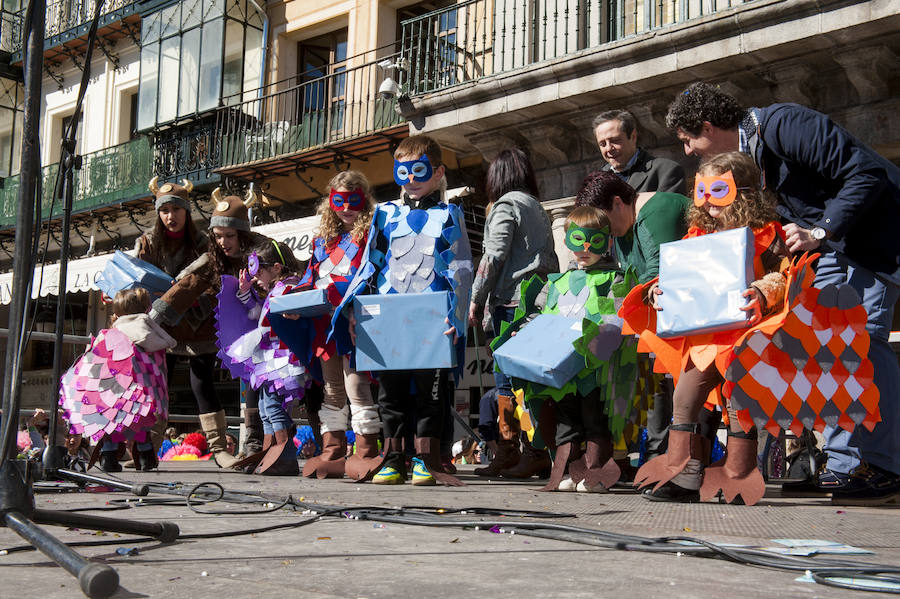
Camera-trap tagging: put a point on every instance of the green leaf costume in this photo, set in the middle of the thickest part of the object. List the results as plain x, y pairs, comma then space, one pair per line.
611, 361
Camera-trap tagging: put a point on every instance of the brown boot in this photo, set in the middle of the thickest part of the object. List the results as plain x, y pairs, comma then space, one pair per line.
331, 462
429, 450
507, 457
596, 467
281, 458
735, 475
365, 460
507, 422
533, 461
248, 464
688, 452
213, 424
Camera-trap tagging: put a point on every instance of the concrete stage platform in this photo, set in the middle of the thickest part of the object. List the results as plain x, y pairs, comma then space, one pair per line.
339, 557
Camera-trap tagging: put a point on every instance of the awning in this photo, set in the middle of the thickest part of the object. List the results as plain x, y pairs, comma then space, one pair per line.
83, 273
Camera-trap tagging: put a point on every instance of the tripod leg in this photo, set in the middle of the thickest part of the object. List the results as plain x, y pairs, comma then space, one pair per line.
139, 489
97, 581
166, 532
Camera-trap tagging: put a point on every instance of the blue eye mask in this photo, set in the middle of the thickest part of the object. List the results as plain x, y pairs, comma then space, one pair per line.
419, 169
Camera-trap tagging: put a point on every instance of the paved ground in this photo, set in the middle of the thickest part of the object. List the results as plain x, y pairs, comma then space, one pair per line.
339, 557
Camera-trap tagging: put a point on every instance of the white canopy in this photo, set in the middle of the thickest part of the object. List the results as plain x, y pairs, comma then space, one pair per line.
82, 274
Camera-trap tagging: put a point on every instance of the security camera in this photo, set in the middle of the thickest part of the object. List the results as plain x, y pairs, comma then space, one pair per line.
388, 90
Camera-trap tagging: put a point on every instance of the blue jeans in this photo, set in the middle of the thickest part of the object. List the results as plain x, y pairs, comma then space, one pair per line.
881, 447
273, 415
500, 314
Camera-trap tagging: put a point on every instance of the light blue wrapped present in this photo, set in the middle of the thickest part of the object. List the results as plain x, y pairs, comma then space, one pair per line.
303, 303
127, 272
702, 280
542, 351
403, 331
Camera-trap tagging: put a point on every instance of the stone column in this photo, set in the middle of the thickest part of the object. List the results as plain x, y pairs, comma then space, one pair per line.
558, 210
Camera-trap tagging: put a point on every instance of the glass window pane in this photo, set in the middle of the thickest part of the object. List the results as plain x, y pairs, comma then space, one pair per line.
237, 9
171, 20
190, 72
150, 28
234, 58
213, 9
210, 65
191, 13
252, 66
168, 76
147, 92
254, 17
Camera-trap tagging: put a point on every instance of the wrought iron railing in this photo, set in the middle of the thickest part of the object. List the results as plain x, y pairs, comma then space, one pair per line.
62, 17
191, 151
289, 117
106, 177
476, 38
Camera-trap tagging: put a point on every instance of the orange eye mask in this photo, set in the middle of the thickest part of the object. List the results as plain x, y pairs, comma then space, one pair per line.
718, 190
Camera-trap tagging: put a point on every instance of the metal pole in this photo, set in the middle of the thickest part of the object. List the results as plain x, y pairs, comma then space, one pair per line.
23, 266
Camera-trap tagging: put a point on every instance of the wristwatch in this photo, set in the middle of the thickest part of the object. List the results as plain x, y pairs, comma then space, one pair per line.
818, 233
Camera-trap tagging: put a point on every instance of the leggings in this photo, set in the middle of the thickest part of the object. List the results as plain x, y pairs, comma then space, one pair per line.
691, 392
201, 381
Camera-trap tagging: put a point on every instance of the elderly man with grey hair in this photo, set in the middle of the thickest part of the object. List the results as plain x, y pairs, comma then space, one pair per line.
616, 133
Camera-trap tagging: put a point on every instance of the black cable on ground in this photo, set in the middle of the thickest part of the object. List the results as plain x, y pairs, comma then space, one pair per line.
843, 574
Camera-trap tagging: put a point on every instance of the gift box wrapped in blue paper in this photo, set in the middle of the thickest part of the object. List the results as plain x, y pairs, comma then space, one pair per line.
403, 331
302, 303
702, 279
127, 272
542, 351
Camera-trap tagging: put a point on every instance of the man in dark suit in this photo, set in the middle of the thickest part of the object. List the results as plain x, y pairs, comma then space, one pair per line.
616, 134
841, 199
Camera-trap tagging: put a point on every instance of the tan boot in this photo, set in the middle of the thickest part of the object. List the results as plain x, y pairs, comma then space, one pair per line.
676, 474
213, 424
735, 475
507, 423
332, 461
366, 460
596, 471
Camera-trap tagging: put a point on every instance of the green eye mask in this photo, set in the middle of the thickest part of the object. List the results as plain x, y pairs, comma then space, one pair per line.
579, 239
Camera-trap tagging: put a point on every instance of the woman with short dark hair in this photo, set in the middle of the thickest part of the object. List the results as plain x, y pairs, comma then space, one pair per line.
518, 243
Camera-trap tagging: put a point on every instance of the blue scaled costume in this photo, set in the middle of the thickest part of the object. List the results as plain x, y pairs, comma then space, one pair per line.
417, 246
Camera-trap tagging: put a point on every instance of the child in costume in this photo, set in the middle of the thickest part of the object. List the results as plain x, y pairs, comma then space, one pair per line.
337, 252
117, 390
726, 196
252, 352
599, 405
417, 244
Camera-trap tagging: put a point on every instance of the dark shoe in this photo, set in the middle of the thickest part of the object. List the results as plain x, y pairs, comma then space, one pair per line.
672, 493
146, 460
533, 461
109, 462
507, 457
868, 485
825, 481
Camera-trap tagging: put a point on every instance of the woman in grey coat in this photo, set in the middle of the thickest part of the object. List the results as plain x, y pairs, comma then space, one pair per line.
518, 243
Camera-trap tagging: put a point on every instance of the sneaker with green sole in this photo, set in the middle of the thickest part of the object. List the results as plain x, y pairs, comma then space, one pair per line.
390, 476
420, 474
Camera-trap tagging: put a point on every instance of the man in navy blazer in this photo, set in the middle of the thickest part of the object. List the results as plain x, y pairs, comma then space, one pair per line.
838, 197
616, 134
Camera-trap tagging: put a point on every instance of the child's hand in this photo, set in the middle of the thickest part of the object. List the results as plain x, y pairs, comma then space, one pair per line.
652, 295
245, 283
476, 315
451, 331
754, 304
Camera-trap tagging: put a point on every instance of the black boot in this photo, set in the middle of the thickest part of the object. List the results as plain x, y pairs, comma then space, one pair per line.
109, 462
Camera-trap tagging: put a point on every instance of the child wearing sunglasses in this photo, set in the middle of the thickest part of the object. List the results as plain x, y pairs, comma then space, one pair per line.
598, 405
726, 196
346, 216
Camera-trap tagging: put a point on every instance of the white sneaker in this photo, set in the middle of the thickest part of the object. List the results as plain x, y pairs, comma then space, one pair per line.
566, 484
583, 488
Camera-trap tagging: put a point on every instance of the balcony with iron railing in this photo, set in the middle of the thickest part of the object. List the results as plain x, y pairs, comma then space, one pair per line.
477, 38
287, 118
107, 177
65, 20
